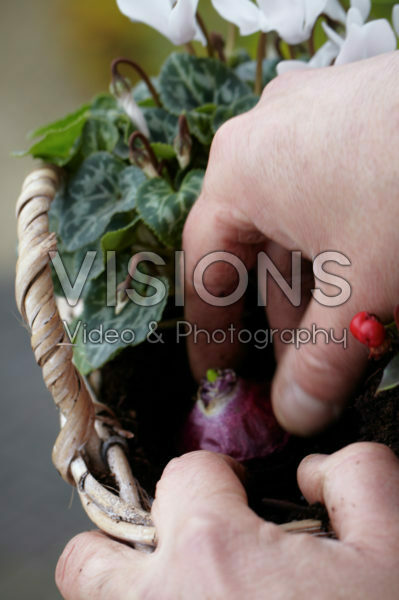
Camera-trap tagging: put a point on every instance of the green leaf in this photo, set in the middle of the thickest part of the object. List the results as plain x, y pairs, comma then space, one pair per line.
164, 210
120, 238
239, 55
114, 330
200, 126
61, 124
59, 146
187, 82
247, 71
163, 151
93, 128
102, 187
103, 103
72, 261
98, 135
162, 125
224, 113
390, 378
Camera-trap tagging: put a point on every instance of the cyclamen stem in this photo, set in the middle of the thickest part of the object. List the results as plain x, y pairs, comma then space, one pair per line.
231, 39
204, 30
117, 76
190, 49
259, 65
218, 45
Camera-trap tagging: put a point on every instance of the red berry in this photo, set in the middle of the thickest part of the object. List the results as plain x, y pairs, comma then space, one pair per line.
368, 329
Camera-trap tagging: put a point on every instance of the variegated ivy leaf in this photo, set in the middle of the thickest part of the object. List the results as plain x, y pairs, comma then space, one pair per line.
99, 334
187, 82
224, 113
102, 187
390, 378
164, 210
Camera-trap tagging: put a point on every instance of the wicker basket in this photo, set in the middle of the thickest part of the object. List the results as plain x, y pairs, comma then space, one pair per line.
85, 446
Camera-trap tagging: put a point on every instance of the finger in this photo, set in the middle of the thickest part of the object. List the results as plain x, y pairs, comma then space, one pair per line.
95, 566
200, 489
359, 486
211, 229
313, 379
282, 312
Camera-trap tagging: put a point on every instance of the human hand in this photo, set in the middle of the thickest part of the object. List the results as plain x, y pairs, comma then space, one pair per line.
211, 545
311, 168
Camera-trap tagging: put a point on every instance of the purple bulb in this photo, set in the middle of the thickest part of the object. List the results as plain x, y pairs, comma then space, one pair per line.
234, 417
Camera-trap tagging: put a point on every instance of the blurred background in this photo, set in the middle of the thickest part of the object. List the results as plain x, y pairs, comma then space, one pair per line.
56, 56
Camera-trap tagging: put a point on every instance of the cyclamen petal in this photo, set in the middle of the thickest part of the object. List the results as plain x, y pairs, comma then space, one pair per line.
323, 58
242, 13
363, 6
395, 18
335, 11
354, 17
176, 21
182, 24
366, 41
292, 19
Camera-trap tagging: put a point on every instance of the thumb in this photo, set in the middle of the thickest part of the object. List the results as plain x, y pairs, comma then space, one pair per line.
199, 489
318, 371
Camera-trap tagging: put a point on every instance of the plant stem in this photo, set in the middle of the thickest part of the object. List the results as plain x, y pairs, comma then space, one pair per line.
204, 30
259, 65
126, 61
231, 39
218, 46
190, 49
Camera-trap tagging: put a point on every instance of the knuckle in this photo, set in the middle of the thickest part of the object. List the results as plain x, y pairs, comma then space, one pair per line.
282, 84
227, 139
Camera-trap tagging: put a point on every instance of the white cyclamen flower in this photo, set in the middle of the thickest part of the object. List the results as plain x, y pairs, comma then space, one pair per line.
292, 19
362, 40
175, 20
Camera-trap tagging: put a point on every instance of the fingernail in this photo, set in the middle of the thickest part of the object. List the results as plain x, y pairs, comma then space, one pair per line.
300, 413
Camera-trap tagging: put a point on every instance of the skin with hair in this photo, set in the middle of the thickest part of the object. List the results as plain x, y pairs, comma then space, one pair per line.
313, 167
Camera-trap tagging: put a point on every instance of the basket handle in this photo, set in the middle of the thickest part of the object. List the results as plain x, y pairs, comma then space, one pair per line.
77, 452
